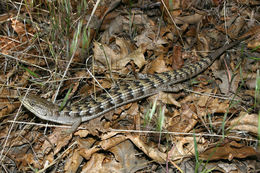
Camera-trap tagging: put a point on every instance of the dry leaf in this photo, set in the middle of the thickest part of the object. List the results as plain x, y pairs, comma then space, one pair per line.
245, 122
73, 163
251, 83
136, 56
158, 65
227, 151
57, 139
126, 156
97, 162
192, 19
86, 148
184, 147
150, 151
204, 98
226, 87
168, 98
105, 54
177, 61
184, 122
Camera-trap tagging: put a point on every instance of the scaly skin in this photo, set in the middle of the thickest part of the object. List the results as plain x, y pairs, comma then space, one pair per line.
126, 93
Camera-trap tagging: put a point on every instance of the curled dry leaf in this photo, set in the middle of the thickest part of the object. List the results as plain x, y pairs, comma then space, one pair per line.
126, 155
111, 142
121, 24
168, 98
97, 164
220, 166
226, 87
203, 100
82, 133
150, 151
86, 149
176, 58
170, 5
136, 56
116, 26
213, 104
158, 65
73, 163
95, 126
6, 45
7, 107
108, 135
127, 114
28, 159
192, 19
57, 139
21, 142
146, 38
227, 151
227, 167
255, 43
235, 28
251, 83
21, 149
101, 162
183, 122
245, 122
184, 147
105, 54
19, 27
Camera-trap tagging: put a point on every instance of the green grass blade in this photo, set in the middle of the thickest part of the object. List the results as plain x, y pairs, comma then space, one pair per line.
196, 152
65, 99
29, 71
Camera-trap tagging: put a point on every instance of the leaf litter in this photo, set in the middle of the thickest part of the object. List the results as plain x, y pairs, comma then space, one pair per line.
219, 107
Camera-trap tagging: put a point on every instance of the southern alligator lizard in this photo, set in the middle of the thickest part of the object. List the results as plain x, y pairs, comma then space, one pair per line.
126, 93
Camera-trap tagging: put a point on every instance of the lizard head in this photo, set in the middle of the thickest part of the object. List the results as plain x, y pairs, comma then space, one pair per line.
38, 106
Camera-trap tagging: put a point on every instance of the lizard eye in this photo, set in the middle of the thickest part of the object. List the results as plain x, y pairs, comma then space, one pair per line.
32, 103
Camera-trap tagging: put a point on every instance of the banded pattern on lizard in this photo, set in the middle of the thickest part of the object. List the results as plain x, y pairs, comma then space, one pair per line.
126, 93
